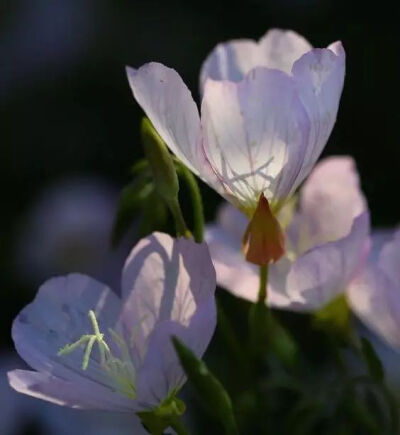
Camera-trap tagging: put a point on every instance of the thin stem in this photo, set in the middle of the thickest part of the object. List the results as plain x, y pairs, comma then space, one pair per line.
179, 427
262, 291
180, 224
230, 338
197, 202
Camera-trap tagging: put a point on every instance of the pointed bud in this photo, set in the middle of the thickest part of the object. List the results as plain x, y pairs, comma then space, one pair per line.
160, 160
264, 241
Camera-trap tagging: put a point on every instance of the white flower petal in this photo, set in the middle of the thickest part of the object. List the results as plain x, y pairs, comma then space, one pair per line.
82, 395
256, 133
170, 107
59, 316
389, 259
330, 200
281, 48
232, 60
374, 299
319, 75
324, 272
166, 279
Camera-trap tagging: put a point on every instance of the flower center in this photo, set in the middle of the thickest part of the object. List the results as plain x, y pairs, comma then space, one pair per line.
120, 370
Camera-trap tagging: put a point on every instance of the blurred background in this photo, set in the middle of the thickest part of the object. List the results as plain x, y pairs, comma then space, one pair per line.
70, 125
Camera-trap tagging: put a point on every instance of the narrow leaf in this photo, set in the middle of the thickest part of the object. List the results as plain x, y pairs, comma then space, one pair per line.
209, 388
372, 360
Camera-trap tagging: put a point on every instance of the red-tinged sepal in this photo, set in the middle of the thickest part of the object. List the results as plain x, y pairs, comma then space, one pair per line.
264, 241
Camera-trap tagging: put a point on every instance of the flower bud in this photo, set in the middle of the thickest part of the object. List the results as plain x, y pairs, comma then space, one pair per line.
160, 160
264, 241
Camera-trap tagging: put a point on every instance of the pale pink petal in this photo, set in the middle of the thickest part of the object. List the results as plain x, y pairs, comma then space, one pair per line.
330, 200
232, 60
319, 75
83, 394
389, 259
59, 316
161, 372
224, 241
168, 103
324, 272
232, 221
166, 279
255, 134
372, 297
281, 48
374, 294
233, 272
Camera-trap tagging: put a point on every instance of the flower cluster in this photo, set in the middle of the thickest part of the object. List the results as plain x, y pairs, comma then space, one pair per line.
267, 111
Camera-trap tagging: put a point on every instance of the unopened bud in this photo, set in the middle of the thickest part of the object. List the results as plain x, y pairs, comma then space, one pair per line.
264, 241
160, 160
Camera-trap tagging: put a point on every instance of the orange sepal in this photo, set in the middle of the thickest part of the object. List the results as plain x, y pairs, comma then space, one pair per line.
264, 241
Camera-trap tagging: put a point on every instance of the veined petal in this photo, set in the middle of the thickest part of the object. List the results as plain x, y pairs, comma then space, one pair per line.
389, 259
319, 75
232, 60
281, 48
161, 372
166, 279
58, 316
374, 294
224, 241
330, 200
325, 271
168, 103
81, 395
255, 135
234, 273
373, 297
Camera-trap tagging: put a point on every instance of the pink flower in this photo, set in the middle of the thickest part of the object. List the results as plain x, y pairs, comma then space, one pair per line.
129, 363
327, 237
375, 294
266, 114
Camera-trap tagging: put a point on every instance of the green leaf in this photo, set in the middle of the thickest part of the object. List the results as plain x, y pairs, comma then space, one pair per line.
130, 202
375, 367
212, 393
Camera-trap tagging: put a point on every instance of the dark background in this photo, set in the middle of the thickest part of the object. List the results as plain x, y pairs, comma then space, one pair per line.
66, 108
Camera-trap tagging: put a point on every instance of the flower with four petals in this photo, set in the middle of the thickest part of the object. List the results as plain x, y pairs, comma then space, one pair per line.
92, 349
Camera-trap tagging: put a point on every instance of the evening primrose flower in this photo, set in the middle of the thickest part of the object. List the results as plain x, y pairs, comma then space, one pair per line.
327, 241
374, 295
263, 123
91, 349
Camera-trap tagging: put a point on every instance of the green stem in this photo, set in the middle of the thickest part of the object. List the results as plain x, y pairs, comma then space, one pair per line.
231, 340
180, 224
179, 427
197, 203
262, 290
